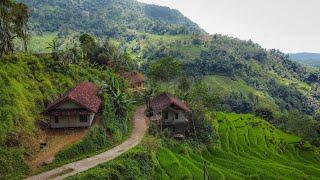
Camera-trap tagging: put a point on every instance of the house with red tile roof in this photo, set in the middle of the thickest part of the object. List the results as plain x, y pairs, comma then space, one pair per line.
76, 108
169, 112
137, 80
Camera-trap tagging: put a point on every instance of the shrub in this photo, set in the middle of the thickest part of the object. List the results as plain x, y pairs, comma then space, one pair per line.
264, 113
94, 140
12, 164
202, 127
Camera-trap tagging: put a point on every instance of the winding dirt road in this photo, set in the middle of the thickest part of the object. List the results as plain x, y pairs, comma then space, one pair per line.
138, 131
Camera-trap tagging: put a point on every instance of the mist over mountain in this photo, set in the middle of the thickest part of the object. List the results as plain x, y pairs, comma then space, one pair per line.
311, 59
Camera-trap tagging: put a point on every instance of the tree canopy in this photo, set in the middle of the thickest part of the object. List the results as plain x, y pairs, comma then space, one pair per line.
13, 24
165, 69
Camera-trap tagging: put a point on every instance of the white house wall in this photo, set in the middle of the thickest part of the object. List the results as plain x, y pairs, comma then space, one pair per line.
71, 121
172, 116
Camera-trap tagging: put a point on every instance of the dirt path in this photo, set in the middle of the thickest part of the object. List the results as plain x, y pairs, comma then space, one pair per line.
138, 131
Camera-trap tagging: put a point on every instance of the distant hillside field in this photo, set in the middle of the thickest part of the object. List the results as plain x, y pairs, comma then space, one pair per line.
249, 148
311, 59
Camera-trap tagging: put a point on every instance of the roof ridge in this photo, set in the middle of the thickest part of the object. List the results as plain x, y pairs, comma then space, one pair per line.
165, 99
80, 95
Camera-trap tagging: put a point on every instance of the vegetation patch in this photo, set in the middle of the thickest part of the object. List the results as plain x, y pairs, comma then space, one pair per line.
257, 150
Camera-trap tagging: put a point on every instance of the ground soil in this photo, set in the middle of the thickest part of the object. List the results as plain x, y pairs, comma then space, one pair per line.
55, 140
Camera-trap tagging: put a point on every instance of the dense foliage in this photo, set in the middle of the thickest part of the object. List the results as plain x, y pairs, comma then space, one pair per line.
165, 69
106, 17
13, 24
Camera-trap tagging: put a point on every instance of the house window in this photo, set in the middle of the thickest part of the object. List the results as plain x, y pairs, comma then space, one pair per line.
56, 119
166, 115
83, 118
177, 115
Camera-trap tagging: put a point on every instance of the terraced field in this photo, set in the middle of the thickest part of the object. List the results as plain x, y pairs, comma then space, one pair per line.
250, 149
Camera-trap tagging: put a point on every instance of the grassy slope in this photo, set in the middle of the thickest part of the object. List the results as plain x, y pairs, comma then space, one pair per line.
250, 148
172, 42
38, 43
224, 86
28, 83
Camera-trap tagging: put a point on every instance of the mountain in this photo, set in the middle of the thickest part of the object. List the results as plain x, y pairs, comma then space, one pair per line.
310, 59
223, 74
270, 79
106, 17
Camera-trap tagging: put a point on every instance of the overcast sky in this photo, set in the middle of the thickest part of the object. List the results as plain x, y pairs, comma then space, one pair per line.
288, 25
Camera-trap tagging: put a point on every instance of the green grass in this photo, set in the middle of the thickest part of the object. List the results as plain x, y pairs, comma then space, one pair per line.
38, 43
223, 86
250, 148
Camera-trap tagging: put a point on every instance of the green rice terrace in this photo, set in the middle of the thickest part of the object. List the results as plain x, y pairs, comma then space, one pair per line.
249, 148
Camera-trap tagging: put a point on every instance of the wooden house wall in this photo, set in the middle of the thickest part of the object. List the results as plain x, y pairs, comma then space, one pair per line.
70, 121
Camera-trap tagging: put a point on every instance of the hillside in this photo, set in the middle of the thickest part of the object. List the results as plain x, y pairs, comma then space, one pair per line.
273, 96
249, 148
27, 88
106, 17
311, 59
149, 32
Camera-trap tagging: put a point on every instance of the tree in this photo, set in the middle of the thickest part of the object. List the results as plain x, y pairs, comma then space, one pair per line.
184, 86
13, 24
88, 45
107, 54
165, 69
302, 125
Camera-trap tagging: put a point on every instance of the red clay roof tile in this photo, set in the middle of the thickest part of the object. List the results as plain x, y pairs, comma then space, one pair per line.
85, 94
165, 100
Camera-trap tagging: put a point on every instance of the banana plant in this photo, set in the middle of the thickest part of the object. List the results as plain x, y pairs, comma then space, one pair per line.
120, 99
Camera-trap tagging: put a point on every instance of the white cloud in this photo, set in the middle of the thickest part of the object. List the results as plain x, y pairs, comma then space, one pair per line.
288, 25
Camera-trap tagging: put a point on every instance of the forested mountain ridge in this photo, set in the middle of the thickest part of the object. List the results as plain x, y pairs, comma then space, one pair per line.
106, 17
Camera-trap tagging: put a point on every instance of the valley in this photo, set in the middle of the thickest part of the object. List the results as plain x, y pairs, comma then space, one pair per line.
250, 112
